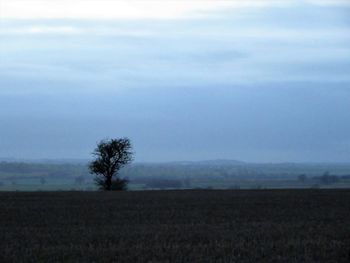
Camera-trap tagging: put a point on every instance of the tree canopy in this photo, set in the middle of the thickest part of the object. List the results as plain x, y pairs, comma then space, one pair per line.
110, 156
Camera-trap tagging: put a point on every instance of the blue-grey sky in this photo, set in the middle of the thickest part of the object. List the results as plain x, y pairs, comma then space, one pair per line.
262, 81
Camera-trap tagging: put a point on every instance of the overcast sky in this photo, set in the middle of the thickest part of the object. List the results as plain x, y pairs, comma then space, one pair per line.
261, 81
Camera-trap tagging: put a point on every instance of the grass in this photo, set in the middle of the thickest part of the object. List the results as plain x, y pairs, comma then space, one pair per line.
176, 226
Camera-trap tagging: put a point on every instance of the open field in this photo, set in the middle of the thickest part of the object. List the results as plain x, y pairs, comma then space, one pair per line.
176, 226
22, 176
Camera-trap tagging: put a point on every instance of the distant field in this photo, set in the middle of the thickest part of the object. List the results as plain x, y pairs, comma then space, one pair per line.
176, 226
69, 185
193, 175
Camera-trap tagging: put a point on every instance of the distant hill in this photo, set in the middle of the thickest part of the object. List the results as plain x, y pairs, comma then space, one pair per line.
215, 162
221, 162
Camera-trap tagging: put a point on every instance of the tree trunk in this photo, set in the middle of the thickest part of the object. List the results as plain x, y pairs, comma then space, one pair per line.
109, 183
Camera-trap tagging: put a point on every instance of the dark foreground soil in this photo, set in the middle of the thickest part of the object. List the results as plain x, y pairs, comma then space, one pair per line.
176, 226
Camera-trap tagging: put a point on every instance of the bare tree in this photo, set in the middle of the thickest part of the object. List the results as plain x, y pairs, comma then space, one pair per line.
110, 157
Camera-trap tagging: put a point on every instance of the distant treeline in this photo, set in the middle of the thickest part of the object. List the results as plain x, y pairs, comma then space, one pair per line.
325, 179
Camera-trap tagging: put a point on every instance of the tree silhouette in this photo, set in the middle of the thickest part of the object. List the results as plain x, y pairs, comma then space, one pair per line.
110, 157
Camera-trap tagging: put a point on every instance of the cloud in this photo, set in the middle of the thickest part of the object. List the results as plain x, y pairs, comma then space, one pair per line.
131, 9
329, 2
39, 29
254, 45
104, 9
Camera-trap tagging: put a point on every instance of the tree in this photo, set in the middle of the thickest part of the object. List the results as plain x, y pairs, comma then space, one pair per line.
327, 178
110, 156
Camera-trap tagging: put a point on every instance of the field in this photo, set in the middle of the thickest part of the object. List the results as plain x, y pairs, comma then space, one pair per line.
46, 176
176, 226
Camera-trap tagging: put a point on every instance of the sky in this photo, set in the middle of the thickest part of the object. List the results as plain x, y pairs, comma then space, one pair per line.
257, 81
